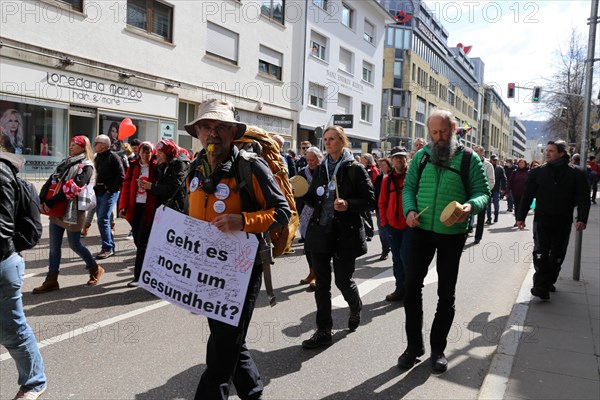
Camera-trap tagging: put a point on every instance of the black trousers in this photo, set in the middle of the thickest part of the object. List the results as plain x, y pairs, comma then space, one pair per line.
367, 219
141, 234
480, 225
343, 268
423, 246
550, 247
227, 356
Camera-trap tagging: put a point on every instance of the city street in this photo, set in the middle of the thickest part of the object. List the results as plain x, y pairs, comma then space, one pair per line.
113, 342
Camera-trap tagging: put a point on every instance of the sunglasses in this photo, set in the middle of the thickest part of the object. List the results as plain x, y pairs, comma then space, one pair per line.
304, 148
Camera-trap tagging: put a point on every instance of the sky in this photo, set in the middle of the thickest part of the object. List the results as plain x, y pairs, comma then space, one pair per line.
518, 41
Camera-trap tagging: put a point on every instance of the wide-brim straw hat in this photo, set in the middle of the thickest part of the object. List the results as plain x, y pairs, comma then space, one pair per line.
217, 110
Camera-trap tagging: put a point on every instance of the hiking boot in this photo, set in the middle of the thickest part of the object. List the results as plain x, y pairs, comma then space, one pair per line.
30, 394
105, 254
95, 275
354, 320
318, 339
408, 359
50, 284
394, 296
540, 292
439, 362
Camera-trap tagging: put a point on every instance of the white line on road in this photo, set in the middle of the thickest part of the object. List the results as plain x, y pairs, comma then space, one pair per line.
384, 277
91, 327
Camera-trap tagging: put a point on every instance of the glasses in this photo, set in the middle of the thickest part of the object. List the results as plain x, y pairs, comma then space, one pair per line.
304, 148
219, 129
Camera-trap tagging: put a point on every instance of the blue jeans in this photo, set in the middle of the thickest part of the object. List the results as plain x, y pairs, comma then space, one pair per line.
495, 200
384, 236
56, 237
399, 244
104, 206
15, 333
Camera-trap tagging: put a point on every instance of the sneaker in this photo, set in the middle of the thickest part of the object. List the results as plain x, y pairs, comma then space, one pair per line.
408, 359
318, 339
133, 284
477, 241
129, 236
369, 238
384, 255
95, 276
30, 394
354, 320
439, 362
540, 292
394, 296
105, 254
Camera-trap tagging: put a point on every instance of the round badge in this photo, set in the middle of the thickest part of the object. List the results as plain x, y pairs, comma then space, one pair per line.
219, 206
331, 185
194, 184
222, 191
320, 191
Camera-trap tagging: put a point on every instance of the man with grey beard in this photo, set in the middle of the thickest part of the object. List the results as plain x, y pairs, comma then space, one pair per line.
434, 179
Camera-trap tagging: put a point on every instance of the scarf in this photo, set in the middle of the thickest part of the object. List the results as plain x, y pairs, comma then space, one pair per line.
69, 172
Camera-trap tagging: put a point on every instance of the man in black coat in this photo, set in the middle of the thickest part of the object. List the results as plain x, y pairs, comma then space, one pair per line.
499, 185
558, 187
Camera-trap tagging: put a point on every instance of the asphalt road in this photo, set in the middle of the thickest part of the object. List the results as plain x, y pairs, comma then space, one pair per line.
113, 342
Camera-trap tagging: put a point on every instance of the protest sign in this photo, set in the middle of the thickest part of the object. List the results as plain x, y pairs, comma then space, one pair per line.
193, 265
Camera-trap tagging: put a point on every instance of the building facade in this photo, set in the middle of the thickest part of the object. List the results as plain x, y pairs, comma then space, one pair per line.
422, 73
518, 140
343, 53
495, 124
71, 67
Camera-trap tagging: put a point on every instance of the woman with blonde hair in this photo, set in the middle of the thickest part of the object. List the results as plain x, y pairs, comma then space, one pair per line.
75, 172
11, 125
340, 190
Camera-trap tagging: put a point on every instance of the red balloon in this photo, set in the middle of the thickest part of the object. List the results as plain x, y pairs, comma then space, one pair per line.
126, 129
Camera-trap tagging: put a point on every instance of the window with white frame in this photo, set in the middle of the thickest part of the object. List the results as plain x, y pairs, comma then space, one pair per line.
347, 16
369, 34
321, 4
346, 60
367, 72
344, 104
365, 112
316, 95
76, 5
222, 42
274, 9
318, 46
270, 62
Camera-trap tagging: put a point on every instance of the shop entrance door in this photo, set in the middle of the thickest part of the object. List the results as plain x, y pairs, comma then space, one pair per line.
82, 121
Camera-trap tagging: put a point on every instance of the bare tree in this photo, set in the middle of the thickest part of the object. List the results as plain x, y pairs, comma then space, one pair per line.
564, 98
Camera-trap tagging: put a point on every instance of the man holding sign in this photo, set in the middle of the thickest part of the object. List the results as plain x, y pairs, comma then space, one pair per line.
218, 195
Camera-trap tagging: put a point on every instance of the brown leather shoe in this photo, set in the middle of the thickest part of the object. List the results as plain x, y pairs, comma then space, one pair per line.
309, 278
50, 284
95, 275
395, 296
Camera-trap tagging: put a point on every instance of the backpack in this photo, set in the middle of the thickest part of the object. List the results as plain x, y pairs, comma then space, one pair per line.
28, 230
258, 141
465, 164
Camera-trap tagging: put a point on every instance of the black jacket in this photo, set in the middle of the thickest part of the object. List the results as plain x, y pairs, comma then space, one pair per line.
170, 183
8, 197
109, 172
500, 179
346, 235
557, 190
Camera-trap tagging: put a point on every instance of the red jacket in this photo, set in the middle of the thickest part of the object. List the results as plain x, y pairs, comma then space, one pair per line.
129, 190
390, 202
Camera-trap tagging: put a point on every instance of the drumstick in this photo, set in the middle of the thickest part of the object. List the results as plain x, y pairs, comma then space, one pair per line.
337, 192
419, 214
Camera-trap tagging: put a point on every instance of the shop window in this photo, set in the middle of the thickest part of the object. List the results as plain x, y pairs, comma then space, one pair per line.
274, 9
147, 129
270, 62
152, 16
222, 43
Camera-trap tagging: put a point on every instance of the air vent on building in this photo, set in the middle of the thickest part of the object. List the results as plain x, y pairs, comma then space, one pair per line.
89, 112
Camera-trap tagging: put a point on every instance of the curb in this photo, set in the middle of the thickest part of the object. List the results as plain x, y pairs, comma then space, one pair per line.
496, 381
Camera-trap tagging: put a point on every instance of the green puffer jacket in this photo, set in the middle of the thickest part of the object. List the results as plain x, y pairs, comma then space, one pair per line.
439, 186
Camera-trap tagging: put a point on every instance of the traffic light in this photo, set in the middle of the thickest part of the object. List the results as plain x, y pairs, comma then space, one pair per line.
511, 91
563, 112
537, 91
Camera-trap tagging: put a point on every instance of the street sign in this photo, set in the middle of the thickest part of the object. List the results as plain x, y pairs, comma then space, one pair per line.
344, 120
318, 132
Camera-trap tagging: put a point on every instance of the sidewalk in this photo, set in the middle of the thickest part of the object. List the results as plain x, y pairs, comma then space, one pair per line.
554, 352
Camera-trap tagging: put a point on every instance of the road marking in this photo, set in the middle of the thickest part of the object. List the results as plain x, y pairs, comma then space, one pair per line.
378, 280
495, 383
91, 327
